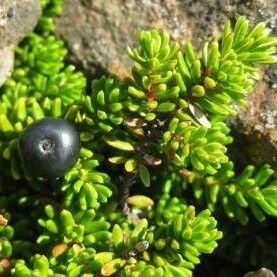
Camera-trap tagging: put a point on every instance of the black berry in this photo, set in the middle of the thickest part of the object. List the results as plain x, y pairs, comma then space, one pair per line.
49, 147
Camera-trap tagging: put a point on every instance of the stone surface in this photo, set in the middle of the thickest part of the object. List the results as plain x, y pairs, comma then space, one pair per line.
98, 31
255, 128
17, 18
6, 63
263, 272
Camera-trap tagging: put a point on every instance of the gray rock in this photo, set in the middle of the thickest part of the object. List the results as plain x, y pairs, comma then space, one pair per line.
263, 272
98, 31
17, 18
6, 63
255, 128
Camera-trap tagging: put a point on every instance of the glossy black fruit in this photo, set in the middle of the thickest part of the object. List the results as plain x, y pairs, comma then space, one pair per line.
49, 147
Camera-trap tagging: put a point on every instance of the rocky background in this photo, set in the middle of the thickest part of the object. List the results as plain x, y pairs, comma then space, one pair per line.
98, 31
17, 18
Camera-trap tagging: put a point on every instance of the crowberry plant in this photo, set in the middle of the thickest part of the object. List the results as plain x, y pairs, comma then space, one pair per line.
152, 172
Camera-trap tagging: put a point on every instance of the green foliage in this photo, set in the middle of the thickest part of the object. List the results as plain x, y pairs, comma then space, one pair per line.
80, 228
40, 267
6, 233
254, 189
151, 91
104, 106
41, 86
198, 147
185, 233
164, 128
51, 8
173, 247
83, 186
225, 71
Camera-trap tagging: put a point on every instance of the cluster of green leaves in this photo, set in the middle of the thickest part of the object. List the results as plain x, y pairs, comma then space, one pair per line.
41, 85
165, 125
6, 233
84, 244
253, 189
178, 99
84, 186
103, 107
225, 71
51, 8
197, 146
